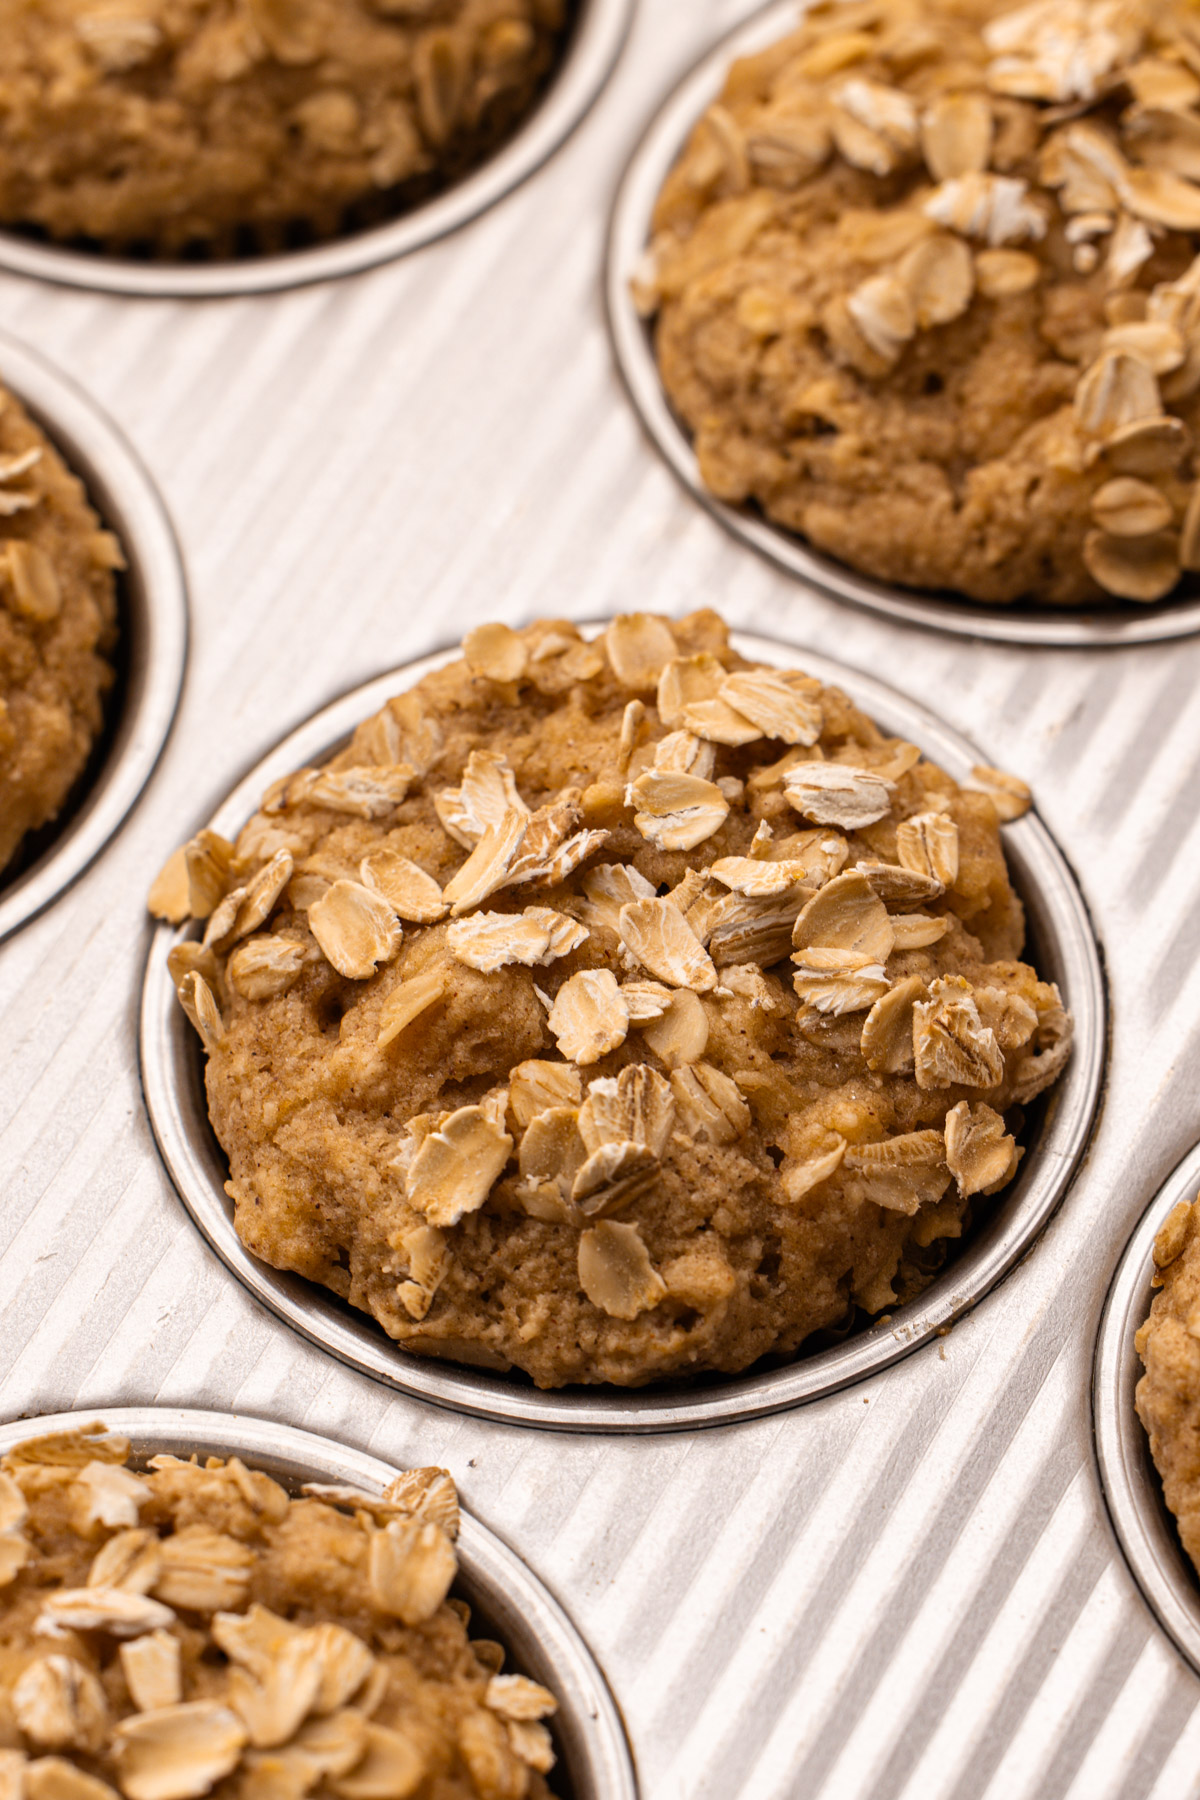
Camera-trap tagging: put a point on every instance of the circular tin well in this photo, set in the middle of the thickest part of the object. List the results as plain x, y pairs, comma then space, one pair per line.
152, 622
505, 1597
1060, 939
629, 233
1131, 1483
587, 58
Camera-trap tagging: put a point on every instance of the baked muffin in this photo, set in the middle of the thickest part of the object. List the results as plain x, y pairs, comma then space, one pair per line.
1168, 1394
614, 1010
192, 1629
228, 124
927, 293
58, 615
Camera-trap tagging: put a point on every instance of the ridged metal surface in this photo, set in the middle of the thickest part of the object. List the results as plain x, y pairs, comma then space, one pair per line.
906, 1589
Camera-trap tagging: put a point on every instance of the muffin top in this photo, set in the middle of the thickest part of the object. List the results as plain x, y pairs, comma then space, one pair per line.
927, 292
226, 123
614, 1010
57, 627
1168, 1394
189, 1628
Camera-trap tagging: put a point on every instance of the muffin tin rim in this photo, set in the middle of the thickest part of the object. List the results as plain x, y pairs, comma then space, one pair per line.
155, 619
1132, 1487
628, 234
590, 55
552, 1648
172, 1084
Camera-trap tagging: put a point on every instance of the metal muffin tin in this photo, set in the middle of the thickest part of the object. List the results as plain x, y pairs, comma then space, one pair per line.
504, 1594
1061, 943
151, 617
1122, 623
905, 1589
1132, 1487
592, 47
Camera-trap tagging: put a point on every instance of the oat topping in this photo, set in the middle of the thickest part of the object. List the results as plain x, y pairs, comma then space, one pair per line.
658, 936
607, 1103
538, 935
615, 1270
676, 811
589, 1017
355, 928
837, 794
341, 1669
912, 303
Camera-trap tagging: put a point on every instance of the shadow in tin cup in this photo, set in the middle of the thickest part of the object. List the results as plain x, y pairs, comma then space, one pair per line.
1061, 939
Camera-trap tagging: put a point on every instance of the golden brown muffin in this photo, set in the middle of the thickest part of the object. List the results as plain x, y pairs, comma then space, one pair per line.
927, 293
614, 1010
58, 615
227, 123
1168, 1394
191, 1629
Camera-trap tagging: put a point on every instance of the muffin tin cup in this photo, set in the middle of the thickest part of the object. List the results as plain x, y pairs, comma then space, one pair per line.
588, 57
1132, 1487
506, 1598
629, 233
152, 621
1061, 940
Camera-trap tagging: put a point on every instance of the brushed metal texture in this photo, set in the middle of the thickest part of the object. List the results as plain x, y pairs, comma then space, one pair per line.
905, 1590
1132, 1487
173, 1081
591, 50
152, 619
505, 1595
629, 234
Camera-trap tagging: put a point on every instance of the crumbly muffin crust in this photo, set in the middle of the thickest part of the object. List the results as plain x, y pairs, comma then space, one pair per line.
1168, 1394
505, 1045
58, 614
192, 1629
927, 292
223, 123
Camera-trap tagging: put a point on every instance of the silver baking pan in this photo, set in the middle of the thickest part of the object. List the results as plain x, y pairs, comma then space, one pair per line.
907, 1588
592, 48
629, 233
504, 1594
1063, 946
1132, 1488
152, 621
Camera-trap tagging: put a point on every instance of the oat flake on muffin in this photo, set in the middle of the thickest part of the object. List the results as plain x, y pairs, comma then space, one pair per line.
191, 1629
57, 627
614, 1009
225, 123
927, 291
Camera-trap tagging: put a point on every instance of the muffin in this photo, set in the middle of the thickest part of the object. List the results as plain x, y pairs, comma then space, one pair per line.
191, 1629
58, 627
233, 125
614, 1010
1168, 1394
926, 292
